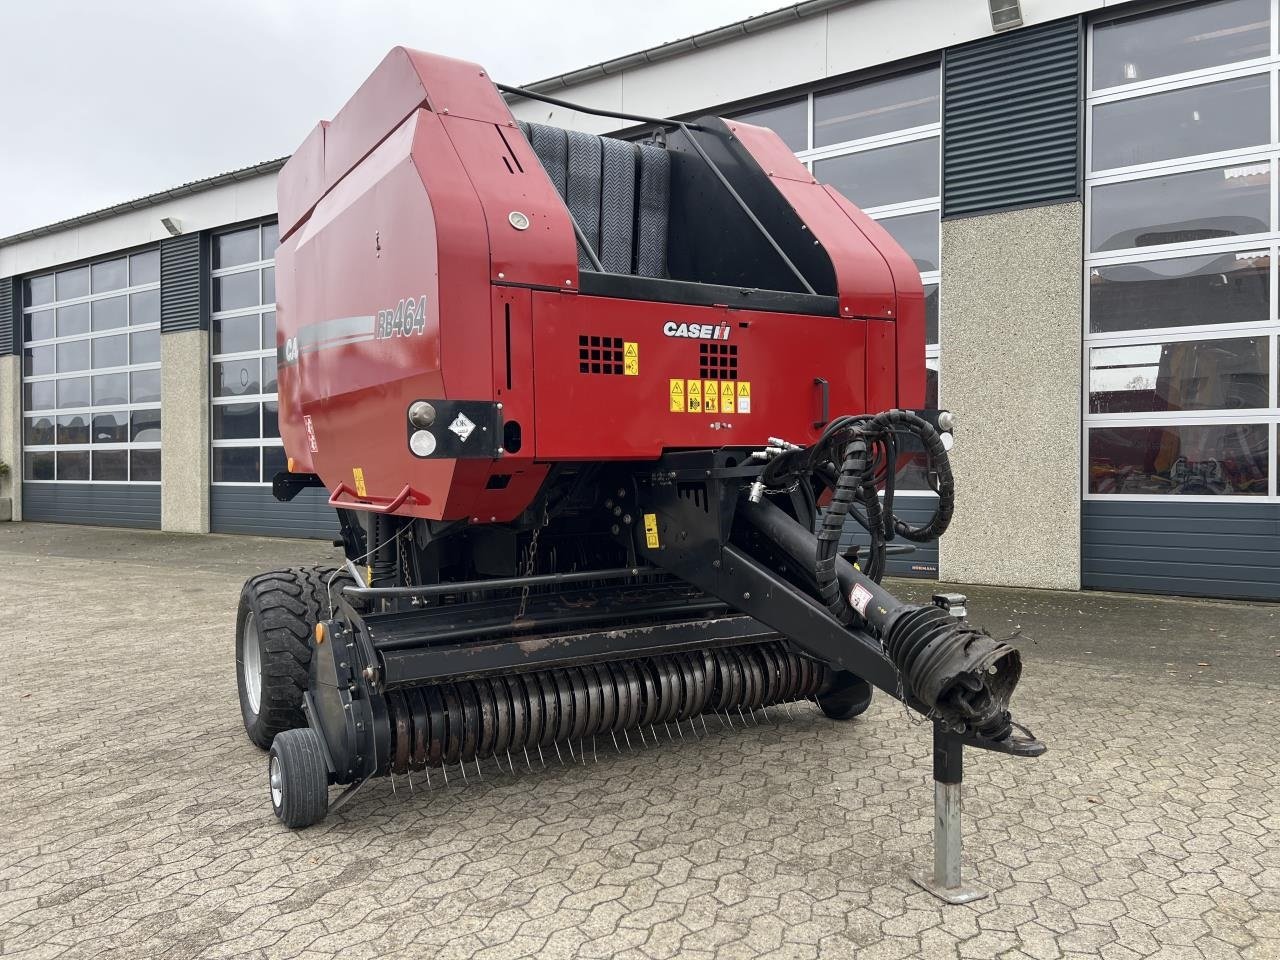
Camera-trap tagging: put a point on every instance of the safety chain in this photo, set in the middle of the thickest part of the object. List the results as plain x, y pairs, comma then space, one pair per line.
530, 563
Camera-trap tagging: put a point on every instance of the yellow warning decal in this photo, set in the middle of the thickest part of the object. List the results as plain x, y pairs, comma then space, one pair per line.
358, 473
631, 358
726, 397
744, 396
695, 396
711, 397
677, 396
651, 531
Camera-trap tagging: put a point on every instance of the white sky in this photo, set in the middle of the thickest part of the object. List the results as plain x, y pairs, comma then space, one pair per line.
107, 100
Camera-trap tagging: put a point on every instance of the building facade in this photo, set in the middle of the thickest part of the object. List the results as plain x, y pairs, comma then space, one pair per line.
1090, 196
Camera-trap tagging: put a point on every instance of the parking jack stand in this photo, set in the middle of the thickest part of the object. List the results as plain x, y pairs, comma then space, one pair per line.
948, 775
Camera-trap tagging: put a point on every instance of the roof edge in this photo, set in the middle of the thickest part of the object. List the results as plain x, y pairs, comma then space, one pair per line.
150, 200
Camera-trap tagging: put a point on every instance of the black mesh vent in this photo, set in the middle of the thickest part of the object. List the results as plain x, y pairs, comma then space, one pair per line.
718, 361
600, 355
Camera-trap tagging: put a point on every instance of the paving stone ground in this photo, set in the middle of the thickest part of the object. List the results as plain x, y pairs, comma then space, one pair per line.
134, 819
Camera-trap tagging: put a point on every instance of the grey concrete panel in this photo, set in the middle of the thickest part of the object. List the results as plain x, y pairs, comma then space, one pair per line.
184, 421
1010, 331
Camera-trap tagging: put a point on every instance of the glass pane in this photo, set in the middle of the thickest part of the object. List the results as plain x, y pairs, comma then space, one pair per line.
931, 368
931, 313
1179, 207
145, 425
111, 427
37, 290
871, 109
269, 285
74, 355
269, 330
235, 334
1179, 460
74, 320
110, 388
37, 361
1191, 37
109, 276
38, 395
144, 347
1182, 123
233, 249
145, 386
872, 178
1184, 375
144, 465
144, 268
911, 464
38, 431
269, 374
73, 464
73, 429
110, 352
38, 326
73, 283
37, 466
273, 462
235, 421
144, 307
111, 465
1183, 291
236, 465
916, 233
271, 419
270, 240
235, 378
789, 121
109, 314
236, 290
73, 392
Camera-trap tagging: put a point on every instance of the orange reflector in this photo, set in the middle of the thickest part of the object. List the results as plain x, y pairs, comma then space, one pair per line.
320, 633
291, 464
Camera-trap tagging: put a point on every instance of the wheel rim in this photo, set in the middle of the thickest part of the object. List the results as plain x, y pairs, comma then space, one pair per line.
277, 789
251, 665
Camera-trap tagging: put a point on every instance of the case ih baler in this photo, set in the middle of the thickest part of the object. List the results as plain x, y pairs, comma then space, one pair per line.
593, 414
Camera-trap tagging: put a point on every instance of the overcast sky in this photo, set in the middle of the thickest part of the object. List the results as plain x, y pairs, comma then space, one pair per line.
106, 100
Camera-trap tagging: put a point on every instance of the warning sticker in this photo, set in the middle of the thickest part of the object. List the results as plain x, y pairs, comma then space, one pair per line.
711, 397
677, 396
726, 397
651, 531
311, 435
631, 358
860, 599
358, 474
695, 396
744, 396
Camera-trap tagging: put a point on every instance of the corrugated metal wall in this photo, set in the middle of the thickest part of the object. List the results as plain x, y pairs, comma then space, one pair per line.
1011, 119
1180, 547
101, 504
253, 510
923, 562
184, 296
10, 317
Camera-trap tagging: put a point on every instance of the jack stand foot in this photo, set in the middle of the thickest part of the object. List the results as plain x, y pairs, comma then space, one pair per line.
943, 881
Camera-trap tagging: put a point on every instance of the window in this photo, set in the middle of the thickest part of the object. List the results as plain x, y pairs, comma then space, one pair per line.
245, 429
1180, 320
88, 332
790, 121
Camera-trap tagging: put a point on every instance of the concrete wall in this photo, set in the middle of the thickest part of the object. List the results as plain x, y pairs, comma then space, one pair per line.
1011, 331
184, 422
11, 429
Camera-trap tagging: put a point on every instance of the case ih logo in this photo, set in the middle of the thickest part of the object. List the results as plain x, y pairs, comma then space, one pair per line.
696, 331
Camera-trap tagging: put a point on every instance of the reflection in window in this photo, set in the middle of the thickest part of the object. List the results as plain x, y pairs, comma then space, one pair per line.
1182, 460
931, 313
916, 233
789, 121
1183, 375
1190, 37
896, 174
1181, 291
876, 107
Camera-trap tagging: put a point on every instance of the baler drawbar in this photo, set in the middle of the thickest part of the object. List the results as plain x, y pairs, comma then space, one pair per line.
571, 397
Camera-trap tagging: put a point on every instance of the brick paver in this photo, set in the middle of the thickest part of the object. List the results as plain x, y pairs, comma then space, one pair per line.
136, 822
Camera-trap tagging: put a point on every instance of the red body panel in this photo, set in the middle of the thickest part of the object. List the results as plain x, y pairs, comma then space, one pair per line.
404, 208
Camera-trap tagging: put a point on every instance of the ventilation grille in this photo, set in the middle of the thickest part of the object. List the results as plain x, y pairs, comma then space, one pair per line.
9, 318
718, 361
600, 355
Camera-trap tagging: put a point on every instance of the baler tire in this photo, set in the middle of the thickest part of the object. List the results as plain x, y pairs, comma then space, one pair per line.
848, 697
283, 606
297, 778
